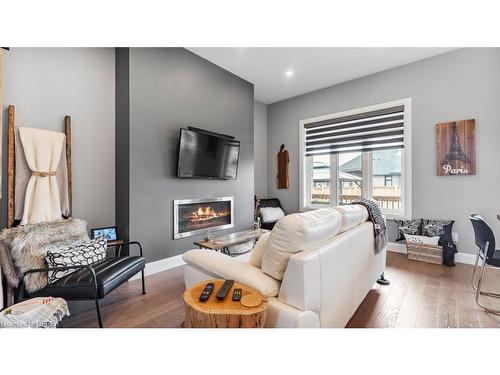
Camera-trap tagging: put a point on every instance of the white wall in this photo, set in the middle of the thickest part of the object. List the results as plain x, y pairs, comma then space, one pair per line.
458, 85
260, 148
45, 84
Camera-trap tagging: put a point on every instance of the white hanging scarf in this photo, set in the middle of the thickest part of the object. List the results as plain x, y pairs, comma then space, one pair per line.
42, 149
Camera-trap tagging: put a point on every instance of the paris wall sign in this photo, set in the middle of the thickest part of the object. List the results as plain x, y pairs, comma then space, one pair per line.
456, 148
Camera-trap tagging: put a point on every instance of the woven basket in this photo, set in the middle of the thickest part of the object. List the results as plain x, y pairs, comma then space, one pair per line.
425, 253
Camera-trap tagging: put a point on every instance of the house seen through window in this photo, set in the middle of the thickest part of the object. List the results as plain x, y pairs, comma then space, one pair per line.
386, 178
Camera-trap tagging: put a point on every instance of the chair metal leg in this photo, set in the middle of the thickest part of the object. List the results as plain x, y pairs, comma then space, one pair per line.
143, 283
475, 269
474, 278
96, 297
479, 293
20, 294
98, 309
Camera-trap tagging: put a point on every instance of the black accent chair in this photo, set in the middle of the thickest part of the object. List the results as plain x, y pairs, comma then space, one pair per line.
91, 282
485, 242
267, 202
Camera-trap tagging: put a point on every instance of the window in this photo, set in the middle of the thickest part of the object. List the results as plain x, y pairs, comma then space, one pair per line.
320, 179
360, 153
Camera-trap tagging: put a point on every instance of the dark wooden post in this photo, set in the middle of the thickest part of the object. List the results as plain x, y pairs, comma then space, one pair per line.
11, 166
67, 130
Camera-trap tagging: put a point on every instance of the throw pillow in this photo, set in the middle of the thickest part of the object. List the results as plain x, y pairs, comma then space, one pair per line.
296, 233
271, 214
413, 227
76, 255
441, 228
423, 240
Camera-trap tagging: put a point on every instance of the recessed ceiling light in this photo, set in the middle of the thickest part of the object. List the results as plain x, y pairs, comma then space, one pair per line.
289, 73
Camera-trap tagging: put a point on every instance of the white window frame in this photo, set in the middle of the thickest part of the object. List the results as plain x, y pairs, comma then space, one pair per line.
406, 162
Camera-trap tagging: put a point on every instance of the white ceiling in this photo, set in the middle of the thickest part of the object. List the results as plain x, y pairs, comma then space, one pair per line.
313, 68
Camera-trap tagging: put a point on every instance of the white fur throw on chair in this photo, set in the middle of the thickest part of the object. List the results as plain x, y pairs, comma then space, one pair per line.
25, 247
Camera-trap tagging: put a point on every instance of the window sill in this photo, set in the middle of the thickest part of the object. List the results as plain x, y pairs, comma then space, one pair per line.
387, 215
395, 216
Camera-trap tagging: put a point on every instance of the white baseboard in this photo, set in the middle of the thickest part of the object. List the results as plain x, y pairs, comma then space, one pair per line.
465, 258
396, 247
161, 265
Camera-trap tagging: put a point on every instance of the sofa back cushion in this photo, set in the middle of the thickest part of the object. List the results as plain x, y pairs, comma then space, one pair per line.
257, 253
352, 215
295, 233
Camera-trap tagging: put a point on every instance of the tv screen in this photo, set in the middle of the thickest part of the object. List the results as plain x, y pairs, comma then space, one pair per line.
206, 155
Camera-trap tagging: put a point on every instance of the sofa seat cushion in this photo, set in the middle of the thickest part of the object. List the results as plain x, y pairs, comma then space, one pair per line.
110, 273
352, 215
295, 233
227, 267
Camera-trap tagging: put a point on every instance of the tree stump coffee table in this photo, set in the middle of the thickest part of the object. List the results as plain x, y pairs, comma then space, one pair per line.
222, 314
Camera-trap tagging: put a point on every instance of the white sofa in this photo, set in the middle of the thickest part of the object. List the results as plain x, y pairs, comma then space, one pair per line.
315, 267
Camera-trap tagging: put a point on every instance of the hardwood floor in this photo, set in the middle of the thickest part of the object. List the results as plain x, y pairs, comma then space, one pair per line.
420, 295
426, 296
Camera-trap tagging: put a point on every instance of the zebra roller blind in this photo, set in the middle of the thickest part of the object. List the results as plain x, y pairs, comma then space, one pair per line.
367, 131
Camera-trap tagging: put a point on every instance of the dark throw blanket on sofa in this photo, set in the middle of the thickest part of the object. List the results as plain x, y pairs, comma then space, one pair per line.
379, 228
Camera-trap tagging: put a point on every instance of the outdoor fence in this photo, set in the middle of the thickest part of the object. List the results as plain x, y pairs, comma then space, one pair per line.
388, 197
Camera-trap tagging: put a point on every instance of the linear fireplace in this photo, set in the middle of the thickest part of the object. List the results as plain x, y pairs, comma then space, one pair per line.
197, 216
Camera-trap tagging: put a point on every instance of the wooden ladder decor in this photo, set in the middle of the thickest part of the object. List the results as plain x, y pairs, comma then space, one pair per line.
11, 165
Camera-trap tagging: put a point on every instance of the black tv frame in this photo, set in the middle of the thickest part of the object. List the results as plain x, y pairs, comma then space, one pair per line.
199, 130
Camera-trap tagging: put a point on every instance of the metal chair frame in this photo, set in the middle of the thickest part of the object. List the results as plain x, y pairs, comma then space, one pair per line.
477, 288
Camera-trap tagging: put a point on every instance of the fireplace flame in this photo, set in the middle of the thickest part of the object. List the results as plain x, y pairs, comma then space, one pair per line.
205, 213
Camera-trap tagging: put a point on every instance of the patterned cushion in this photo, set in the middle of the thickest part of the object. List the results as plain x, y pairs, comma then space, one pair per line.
82, 254
413, 227
441, 228
422, 240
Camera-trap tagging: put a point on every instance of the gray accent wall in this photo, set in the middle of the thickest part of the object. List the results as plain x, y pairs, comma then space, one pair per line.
171, 88
260, 148
45, 84
457, 85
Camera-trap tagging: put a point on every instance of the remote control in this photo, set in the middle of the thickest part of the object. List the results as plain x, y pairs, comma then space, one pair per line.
224, 289
237, 294
207, 291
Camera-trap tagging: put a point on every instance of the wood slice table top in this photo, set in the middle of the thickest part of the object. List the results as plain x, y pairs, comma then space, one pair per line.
222, 314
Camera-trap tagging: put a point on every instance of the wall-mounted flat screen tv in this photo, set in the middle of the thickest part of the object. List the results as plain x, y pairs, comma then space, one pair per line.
204, 154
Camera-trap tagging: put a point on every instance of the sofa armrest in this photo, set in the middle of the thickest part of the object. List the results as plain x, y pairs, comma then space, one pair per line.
62, 268
301, 283
226, 267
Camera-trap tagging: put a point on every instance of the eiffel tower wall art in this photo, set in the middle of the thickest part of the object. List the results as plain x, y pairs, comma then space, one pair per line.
456, 148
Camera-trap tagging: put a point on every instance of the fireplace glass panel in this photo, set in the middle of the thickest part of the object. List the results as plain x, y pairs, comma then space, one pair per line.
196, 218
